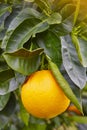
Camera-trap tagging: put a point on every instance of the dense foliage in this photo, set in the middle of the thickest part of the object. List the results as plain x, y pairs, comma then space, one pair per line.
42, 34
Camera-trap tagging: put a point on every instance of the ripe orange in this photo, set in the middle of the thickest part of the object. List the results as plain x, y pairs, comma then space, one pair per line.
42, 96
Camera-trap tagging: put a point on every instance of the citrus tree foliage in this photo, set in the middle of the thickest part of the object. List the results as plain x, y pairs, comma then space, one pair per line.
42, 34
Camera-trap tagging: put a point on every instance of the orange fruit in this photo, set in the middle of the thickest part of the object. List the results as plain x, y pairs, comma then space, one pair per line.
42, 96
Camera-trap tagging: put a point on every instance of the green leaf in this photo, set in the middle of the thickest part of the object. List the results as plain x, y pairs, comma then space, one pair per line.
67, 14
3, 64
3, 100
82, 11
12, 102
62, 29
75, 70
26, 16
77, 11
84, 104
50, 42
67, 11
24, 115
68, 23
6, 74
79, 119
29, 0
3, 121
35, 120
81, 30
8, 86
41, 127
81, 48
64, 84
13, 127
76, 90
58, 4
20, 78
7, 81
4, 12
15, 11
24, 61
4, 8
23, 33
36, 127
55, 18
22, 16
44, 5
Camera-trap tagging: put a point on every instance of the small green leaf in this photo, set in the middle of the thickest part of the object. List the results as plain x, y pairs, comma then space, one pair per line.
3, 101
55, 18
24, 61
64, 84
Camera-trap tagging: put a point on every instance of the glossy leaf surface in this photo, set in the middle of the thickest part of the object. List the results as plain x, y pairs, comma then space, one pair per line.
24, 61
50, 42
71, 63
